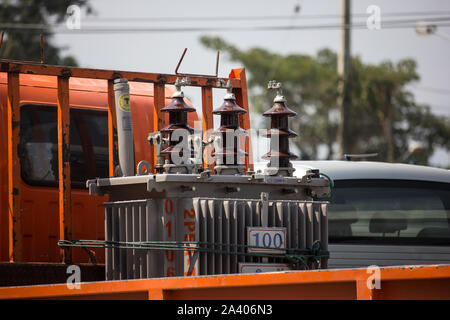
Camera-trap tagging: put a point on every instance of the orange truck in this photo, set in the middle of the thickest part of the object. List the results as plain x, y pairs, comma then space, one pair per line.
59, 130
38, 162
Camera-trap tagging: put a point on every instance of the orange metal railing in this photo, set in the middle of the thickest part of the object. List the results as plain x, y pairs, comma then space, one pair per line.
405, 282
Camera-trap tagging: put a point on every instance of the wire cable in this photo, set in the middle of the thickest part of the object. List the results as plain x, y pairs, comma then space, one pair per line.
263, 18
434, 90
398, 24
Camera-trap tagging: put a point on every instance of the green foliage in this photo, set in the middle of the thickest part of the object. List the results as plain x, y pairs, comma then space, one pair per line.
25, 44
384, 117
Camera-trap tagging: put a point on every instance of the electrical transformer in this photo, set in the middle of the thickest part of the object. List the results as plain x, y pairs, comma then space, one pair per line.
188, 220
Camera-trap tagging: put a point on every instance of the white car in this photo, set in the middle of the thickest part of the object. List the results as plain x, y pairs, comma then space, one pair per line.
384, 213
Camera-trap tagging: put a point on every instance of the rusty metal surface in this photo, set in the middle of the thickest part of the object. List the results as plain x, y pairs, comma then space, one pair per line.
65, 205
241, 95
405, 282
207, 124
113, 158
44, 69
26, 274
14, 176
158, 122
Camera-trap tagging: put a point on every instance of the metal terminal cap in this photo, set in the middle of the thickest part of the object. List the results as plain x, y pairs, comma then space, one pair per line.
279, 98
277, 86
178, 84
229, 95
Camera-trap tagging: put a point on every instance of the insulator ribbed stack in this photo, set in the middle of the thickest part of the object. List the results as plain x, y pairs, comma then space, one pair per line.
227, 152
178, 120
279, 133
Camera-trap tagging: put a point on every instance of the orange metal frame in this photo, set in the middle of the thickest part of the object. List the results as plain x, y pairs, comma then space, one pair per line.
63, 74
405, 282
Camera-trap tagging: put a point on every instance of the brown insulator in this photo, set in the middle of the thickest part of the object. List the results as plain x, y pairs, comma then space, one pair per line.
229, 132
279, 133
178, 120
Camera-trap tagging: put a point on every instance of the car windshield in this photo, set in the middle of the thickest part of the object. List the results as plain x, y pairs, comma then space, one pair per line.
389, 212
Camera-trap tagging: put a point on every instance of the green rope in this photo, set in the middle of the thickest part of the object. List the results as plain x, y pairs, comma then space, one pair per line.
298, 258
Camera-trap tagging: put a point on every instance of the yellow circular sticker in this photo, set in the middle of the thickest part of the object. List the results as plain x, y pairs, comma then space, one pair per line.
124, 102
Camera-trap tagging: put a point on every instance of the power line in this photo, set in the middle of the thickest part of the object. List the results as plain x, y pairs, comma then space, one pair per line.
61, 29
440, 107
265, 18
13, 25
434, 90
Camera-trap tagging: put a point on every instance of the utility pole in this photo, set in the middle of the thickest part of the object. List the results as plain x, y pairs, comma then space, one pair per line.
343, 66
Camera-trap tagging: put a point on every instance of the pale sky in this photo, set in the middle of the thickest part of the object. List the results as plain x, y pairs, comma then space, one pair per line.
160, 51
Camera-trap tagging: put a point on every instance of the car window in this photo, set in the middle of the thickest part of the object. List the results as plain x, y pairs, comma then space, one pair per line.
39, 145
389, 212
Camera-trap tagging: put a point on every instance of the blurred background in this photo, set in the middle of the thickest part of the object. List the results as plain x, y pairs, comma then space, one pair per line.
363, 76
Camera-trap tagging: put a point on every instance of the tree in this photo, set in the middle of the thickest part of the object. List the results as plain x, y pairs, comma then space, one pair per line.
308, 83
384, 118
24, 44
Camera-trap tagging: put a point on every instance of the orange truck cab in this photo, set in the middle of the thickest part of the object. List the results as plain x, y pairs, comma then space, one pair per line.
38, 157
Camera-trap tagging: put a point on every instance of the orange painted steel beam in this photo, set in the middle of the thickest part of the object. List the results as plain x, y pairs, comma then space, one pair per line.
41, 69
244, 119
112, 130
14, 178
159, 102
404, 282
65, 205
363, 292
207, 123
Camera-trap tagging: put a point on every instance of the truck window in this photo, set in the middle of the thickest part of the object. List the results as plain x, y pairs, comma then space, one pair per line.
39, 145
389, 212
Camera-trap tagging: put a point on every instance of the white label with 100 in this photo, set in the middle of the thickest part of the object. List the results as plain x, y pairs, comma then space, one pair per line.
271, 240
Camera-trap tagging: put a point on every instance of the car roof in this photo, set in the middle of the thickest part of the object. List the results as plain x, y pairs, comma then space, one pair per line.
345, 170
